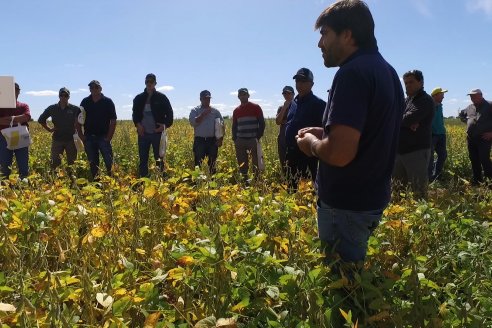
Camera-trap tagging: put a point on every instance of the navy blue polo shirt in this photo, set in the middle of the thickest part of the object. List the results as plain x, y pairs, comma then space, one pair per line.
307, 112
366, 95
98, 115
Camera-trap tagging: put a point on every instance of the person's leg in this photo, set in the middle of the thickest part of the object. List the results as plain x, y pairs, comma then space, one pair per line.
399, 173
293, 173
345, 233
474, 156
71, 151
442, 154
199, 151
212, 151
253, 148
432, 163
282, 153
107, 153
56, 153
6, 158
242, 156
484, 156
22, 159
416, 164
92, 151
143, 155
155, 140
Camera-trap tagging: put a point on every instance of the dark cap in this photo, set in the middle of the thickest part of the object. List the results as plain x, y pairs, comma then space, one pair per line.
17, 86
288, 88
94, 82
304, 74
205, 94
150, 76
64, 90
243, 90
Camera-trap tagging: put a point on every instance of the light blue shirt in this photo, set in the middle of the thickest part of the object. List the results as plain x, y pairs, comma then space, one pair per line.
206, 128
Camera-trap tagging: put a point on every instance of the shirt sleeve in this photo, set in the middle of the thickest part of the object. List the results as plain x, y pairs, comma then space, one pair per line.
44, 116
349, 100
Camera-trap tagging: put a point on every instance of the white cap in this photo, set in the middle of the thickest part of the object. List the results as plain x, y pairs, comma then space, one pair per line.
475, 92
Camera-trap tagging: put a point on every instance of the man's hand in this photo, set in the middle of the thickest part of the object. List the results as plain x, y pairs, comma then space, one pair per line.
487, 136
304, 142
160, 127
140, 129
219, 142
316, 131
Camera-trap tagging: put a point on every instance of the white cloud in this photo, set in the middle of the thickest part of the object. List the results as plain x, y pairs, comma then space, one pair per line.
480, 5
165, 88
73, 65
234, 93
42, 93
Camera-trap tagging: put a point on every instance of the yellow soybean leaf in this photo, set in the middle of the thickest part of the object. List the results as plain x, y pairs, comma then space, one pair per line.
140, 251
120, 292
149, 191
138, 299
151, 320
98, 232
16, 222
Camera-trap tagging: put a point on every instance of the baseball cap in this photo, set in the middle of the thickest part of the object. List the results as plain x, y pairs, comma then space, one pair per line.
243, 90
150, 76
64, 90
205, 94
437, 90
17, 86
475, 92
288, 88
304, 74
95, 82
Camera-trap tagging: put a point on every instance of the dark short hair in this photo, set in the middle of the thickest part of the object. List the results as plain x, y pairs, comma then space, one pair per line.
416, 74
353, 15
150, 76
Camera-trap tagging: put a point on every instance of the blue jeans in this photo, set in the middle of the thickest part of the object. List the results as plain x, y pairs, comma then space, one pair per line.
7, 157
95, 144
205, 147
346, 232
144, 143
438, 146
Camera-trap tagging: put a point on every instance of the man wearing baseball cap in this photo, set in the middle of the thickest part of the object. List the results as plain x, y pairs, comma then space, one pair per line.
281, 120
479, 135
205, 142
308, 113
63, 118
438, 144
152, 114
98, 128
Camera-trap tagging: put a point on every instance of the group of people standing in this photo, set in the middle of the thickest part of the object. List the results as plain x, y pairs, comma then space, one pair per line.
353, 145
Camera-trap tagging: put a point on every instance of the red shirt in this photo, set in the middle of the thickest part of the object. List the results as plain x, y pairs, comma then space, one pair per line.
21, 108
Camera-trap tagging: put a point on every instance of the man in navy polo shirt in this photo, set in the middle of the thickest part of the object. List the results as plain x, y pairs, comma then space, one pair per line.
357, 144
307, 111
99, 126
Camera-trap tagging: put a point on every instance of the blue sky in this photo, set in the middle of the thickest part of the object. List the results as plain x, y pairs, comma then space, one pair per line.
223, 45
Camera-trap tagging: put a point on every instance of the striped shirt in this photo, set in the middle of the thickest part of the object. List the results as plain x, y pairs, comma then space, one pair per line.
248, 121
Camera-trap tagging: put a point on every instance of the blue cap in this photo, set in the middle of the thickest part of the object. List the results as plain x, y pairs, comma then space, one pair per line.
304, 74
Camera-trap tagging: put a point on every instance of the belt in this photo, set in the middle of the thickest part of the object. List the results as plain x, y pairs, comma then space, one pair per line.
205, 138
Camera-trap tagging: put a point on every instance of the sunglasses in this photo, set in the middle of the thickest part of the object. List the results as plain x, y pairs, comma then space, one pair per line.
149, 82
64, 95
